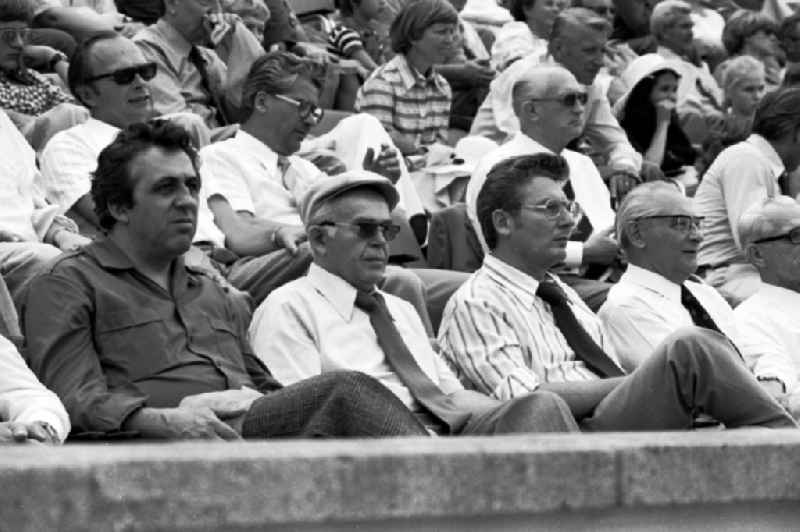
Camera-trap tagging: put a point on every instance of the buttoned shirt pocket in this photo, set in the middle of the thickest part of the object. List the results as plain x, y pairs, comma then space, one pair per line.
225, 336
131, 343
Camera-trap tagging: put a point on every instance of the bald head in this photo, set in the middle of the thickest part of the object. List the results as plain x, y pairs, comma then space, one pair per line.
542, 81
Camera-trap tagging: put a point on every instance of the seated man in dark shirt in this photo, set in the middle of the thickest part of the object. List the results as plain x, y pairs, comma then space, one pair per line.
133, 340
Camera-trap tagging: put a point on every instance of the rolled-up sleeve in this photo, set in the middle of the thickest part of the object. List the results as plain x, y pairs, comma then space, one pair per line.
58, 325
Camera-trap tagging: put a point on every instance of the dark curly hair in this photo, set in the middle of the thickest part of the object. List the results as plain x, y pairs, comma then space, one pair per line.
111, 183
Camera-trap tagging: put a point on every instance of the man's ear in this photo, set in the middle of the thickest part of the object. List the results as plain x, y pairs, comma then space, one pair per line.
119, 212
754, 256
261, 102
317, 239
86, 95
634, 233
503, 222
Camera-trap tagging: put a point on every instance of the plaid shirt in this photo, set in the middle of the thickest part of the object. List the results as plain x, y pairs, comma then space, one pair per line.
412, 107
29, 92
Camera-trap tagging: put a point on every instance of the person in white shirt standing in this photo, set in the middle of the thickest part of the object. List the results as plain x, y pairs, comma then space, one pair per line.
770, 234
550, 105
335, 317
658, 230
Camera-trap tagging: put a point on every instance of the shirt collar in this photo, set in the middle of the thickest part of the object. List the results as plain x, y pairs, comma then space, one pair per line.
764, 147
253, 146
520, 284
340, 293
651, 281
173, 38
410, 76
106, 252
527, 144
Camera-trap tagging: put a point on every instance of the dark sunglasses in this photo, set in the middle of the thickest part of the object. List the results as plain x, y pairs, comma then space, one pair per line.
367, 230
792, 236
125, 76
568, 100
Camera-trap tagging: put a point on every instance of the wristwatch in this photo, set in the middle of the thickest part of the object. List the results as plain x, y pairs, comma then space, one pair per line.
55, 59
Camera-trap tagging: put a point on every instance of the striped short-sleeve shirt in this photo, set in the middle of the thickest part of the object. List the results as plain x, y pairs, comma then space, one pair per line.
412, 107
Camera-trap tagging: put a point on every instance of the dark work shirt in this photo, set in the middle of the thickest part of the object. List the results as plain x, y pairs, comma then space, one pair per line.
109, 340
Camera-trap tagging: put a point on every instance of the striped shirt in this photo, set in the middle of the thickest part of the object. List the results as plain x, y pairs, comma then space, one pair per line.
413, 108
501, 339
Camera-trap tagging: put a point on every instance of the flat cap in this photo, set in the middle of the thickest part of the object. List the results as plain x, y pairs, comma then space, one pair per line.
774, 216
328, 188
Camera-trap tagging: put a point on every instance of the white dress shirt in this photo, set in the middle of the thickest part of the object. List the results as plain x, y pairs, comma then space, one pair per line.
244, 171
590, 190
770, 319
70, 158
22, 208
496, 119
23, 398
742, 175
502, 337
515, 40
643, 308
311, 326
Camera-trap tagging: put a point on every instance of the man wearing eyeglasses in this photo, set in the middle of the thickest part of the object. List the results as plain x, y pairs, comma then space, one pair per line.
659, 232
550, 105
335, 317
770, 235
514, 327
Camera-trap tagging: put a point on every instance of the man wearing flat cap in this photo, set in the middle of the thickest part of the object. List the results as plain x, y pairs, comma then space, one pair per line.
336, 318
770, 234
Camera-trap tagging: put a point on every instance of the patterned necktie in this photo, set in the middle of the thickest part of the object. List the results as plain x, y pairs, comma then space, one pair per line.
584, 346
199, 63
583, 230
422, 388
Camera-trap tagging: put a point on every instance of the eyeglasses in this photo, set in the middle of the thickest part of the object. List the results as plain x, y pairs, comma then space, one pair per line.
304, 109
680, 222
125, 76
553, 208
11, 36
792, 236
567, 100
367, 230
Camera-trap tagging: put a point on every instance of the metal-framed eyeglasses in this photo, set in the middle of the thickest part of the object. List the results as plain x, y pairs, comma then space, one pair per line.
366, 229
11, 36
305, 109
680, 222
125, 76
552, 209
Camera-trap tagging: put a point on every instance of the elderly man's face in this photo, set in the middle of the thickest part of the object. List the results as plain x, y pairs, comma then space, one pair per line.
782, 259
163, 216
118, 102
580, 50
290, 116
359, 259
191, 17
671, 237
679, 36
13, 36
561, 112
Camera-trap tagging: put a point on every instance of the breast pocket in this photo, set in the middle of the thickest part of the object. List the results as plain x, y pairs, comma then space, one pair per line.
226, 338
132, 343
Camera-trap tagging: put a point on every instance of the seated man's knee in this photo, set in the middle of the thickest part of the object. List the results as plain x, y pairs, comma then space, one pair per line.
698, 344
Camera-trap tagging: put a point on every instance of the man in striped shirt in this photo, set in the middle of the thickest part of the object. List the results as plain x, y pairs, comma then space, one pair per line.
406, 94
514, 327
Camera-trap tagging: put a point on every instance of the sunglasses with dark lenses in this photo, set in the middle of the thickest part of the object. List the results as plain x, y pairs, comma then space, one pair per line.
367, 230
11, 36
792, 236
125, 76
304, 109
567, 100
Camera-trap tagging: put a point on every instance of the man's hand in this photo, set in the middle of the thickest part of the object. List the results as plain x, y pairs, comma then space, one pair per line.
38, 55
17, 432
600, 248
289, 237
225, 404
8, 236
68, 241
387, 163
619, 184
180, 423
651, 172
218, 26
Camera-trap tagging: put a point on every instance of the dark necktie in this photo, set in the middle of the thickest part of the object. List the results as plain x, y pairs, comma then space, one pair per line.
424, 390
584, 346
584, 229
783, 183
199, 63
700, 317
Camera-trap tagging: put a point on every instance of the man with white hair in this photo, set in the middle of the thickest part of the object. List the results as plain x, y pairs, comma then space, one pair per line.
550, 105
577, 43
770, 234
699, 96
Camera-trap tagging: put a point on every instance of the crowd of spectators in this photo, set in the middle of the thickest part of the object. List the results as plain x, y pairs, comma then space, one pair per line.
228, 219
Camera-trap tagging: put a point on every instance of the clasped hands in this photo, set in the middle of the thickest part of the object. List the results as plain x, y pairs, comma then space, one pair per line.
212, 415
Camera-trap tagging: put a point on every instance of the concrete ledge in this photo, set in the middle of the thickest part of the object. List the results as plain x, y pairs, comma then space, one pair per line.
513, 483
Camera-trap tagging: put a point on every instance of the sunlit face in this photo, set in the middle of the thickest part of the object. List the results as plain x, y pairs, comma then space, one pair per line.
745, 95
437, 43
665, 87
679, 36
581, 50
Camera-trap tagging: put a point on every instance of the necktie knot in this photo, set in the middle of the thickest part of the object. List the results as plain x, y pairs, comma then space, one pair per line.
551, 293
367, 301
